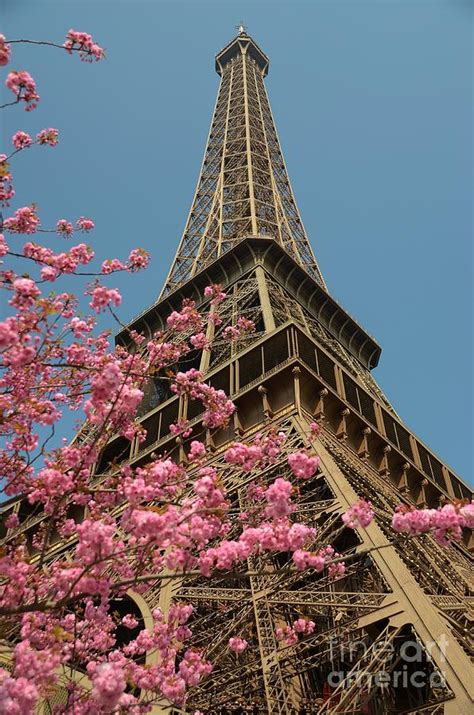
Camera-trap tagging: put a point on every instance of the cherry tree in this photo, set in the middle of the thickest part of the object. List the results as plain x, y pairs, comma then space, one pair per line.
137, 525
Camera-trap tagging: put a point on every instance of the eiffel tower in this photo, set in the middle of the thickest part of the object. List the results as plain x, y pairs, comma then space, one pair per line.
392, 635
402, 611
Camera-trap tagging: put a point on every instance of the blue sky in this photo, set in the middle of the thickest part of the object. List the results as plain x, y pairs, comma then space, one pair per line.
373, 104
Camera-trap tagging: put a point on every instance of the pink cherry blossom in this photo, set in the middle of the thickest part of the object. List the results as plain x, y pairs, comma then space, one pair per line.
84, 224
242, 327
84, 44
187, 318
108, 684
23, 87
238, 645
197, 451
138, 259
214, 318
111, 265
264, 450
302, 465
303, 626
64, 227
3, 246
162, 353
18, 696
467, 513
278, 499
20, 140
216, 293
12, 521
5, 51
102, 297
246, 456
26, 292
445, 523
129, 621
199, 341
181, 427
359, 515
173, 687
48, 136
337, 570
218, 408
24, 220
304, 559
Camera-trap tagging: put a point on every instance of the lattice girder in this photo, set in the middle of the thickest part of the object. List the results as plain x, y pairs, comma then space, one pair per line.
243, 188
367, 603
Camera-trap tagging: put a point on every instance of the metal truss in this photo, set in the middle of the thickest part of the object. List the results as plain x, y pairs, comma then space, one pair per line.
280, 679
285, 308
274, 678
243, 301
445, 576
243, 188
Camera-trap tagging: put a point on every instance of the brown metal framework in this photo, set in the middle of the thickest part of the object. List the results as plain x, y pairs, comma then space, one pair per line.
243, 188
308, 359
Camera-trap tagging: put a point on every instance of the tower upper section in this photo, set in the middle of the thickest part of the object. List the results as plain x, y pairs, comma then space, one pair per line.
242, 44
243, 187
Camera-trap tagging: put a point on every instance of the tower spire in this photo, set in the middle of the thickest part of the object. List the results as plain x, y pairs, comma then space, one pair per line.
243, 187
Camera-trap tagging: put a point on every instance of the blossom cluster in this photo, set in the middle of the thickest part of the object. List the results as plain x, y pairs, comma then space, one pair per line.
278, 497
218, 407
137, 259
22, 140
276, 535
188, 318
444, 524
215, 293
65, 228
319, 560
5, 51
24, 220
302, 465
265, 449
242, 327
289, 634
7, 191
238, 645
23, 87
359, 515
55, 264
83, 43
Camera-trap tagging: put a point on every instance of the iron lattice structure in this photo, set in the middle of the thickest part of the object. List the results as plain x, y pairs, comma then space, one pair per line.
243, 188
307, 360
